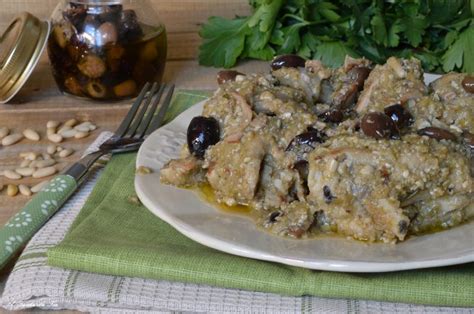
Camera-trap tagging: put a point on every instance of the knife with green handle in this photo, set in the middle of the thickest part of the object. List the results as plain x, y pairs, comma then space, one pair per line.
23, 225
127, 138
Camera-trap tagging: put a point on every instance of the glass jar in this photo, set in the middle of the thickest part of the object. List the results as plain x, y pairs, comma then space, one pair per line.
106, 50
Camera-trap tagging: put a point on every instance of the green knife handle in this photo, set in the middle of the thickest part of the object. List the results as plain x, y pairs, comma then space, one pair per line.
21, 227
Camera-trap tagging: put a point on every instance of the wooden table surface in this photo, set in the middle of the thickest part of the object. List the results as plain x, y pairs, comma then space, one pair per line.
39, 100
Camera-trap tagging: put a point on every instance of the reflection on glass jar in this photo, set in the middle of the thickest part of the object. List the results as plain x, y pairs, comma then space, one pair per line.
106, 50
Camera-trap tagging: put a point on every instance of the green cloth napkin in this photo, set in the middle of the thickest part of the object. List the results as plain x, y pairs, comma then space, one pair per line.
112, 235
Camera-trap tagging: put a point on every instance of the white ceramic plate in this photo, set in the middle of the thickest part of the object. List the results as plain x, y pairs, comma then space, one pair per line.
235, 234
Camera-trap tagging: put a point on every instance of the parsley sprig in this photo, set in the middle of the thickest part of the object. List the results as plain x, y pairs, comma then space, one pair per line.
438, 32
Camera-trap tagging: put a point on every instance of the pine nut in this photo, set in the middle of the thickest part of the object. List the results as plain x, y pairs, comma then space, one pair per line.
50, 131
51, 149
83, 127
64, 128
52, 124
38, 187
55, 138
31, 134
65, 152
33, 164
68, 133
25, 163
12, 190
11, 139
59, 148
70, 122
92, 127
143, 170
45, 163
26, 172
10, 174
24, 190
31, 156
46, 156
4, 132
44, 172
81, 134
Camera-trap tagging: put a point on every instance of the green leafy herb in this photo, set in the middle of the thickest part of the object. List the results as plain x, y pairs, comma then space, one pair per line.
438, 32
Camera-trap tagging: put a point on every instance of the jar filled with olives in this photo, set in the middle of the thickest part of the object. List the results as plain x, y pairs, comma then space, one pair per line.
106, 50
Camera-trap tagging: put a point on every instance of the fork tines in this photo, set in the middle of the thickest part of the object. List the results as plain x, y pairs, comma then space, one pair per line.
148, 119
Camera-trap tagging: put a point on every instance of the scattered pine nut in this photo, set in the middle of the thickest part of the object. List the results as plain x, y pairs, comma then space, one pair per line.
83, 127
45, 163
10, 174
11, 139
50, 131
134, 200
12, 190
31, 134
52, 124
65, 152
55, 138
46, 156
25, 172
68, 133
70, 122
31, 156
143, 170
24, 190
44, 172
64, 128
4, 132
81, 134
38, 187
59, 148
51, 149
25, 163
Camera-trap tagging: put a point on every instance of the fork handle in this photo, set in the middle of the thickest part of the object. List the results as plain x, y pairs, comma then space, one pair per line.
22, 226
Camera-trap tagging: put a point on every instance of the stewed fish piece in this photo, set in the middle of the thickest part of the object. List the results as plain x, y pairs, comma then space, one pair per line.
361, 183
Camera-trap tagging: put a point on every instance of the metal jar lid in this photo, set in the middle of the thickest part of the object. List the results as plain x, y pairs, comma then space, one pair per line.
21, 46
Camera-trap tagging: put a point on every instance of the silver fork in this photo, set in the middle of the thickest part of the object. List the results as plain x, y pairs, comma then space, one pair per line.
144, 117
133, 129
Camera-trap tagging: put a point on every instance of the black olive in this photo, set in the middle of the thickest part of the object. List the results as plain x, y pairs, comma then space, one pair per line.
328, 197
468, 84
437, 133
302, 167
333, 115
227, 76
347, 100
273, 216
403, 227
76, 15
202, 133
129, 28
287, 61
306, 142
358, 75
378, 125
468, 139
90, 25
399, 115
111, 13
